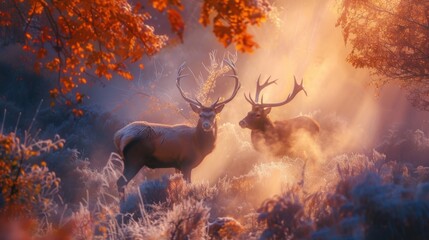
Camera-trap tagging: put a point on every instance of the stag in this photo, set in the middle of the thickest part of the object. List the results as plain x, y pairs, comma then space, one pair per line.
276, 137
171, 146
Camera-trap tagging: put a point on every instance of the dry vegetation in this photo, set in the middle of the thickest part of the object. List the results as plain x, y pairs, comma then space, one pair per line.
55, 188
362, 198
50, 192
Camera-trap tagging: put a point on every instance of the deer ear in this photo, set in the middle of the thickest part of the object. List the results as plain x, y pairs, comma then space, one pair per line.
267, 110
219, 108
195, 108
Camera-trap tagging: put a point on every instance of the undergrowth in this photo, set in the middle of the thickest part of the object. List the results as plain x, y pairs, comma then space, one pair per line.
366, 198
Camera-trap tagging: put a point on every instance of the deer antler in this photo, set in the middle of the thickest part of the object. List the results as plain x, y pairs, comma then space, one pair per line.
179, 77
237, 85
296, 89
216, 103
259, 87
250, 100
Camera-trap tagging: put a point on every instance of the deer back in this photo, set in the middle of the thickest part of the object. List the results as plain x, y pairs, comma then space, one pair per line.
285, 128
280, 138
159, 135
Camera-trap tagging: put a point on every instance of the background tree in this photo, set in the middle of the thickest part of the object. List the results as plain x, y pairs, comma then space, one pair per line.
392, 39
83, 40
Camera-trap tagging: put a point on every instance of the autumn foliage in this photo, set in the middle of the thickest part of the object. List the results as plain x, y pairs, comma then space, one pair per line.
390, 38
84, 40
23, 185
231, 19
78, 39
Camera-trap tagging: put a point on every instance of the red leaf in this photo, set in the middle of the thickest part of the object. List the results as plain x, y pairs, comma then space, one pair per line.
176, 22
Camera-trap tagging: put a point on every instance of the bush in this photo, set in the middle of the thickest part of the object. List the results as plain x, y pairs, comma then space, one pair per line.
26, 188
284, 217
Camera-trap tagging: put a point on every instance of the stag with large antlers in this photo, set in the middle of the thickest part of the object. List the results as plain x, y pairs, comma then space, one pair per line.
276, 137
171, 146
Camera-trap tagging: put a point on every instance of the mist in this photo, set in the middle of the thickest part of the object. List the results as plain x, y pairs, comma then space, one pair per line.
298, 39
369, 138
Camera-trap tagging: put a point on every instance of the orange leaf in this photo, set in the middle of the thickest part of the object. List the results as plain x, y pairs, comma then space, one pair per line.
125, 74
82, 80
38, 8
245, 43
79, 97
90, 47
41, 53
159, 5
176, 22
54, 93
26, 47
77, 112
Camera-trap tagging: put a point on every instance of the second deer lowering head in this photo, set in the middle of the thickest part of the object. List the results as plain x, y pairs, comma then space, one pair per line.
275, 137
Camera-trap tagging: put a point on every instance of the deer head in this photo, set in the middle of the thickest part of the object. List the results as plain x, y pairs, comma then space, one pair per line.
257, 118
207, 114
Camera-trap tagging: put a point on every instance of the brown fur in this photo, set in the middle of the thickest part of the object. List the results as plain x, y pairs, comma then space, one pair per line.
165, 146
171, 146
276, 137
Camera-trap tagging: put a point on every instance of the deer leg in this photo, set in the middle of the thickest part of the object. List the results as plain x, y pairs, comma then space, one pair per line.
129, 173
186, 174
131, 168
134, 160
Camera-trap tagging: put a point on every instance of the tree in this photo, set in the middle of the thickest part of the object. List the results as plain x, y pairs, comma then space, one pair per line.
82, 40
392, 39
232, 18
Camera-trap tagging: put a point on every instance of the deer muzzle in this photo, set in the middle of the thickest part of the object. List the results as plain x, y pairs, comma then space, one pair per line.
207, 126
243, 123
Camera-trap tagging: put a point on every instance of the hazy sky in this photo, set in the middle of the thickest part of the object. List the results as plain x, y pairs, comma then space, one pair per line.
302, 40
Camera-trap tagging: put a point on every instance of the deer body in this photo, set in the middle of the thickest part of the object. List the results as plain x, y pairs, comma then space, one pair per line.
163, 146
170, 146
277, 137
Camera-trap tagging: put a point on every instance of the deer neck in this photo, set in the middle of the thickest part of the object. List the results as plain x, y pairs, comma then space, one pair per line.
264, 135
205, 140
266, 126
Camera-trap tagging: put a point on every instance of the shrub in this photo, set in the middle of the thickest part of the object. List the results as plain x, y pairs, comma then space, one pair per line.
26, 188
284, 217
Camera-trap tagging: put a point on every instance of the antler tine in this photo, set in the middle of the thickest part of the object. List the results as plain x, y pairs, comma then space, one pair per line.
300, 85
232, 66
236, 86
214, 104
179, 77
296, 89
199, 102
250, 100
259, 87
